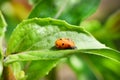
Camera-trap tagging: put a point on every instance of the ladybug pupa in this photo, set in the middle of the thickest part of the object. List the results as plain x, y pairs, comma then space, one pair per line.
65, 43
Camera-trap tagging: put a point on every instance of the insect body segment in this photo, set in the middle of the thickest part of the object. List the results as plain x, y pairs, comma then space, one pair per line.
65, 43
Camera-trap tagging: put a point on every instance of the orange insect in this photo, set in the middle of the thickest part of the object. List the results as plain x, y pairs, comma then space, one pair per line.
65, 43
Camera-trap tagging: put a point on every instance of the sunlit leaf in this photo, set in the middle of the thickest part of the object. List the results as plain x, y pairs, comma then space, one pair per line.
39, 34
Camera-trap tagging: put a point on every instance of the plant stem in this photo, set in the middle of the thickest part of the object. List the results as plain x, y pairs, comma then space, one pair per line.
8, 73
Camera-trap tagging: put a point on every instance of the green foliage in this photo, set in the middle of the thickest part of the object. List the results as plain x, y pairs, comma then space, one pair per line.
92, 26
1, 64
73, 11
112, 26
2, 31
2, 25
40, 35
33, 2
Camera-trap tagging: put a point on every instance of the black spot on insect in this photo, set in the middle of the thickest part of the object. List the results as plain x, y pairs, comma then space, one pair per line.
60, 39
62, 44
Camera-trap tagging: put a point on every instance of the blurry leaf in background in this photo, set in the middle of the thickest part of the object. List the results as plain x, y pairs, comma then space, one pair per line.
112, 29
108, 69
14, 11
2, 26
101, 67
12, 23
112, 26
34, 2
16, 8
92, 26
73, 11
2, 1
81, 68
38, 69
96, 28
108, 33
2, 32
21, 8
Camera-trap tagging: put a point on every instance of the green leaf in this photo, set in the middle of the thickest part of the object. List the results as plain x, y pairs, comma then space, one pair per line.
38, 69
112, 26
11, 24
80, 68
73, 11
54, 55
92, 26
111, 30
39, 34
102, 65
34, 40
96, 65
17, 70
2, 31
2, 25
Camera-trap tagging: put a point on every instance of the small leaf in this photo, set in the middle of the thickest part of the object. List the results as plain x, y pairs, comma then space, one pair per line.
17, 70
80, 68
111, 30
112, 26
92, 26
2, 25
101, 65
38, 69
2, 32
73, 11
